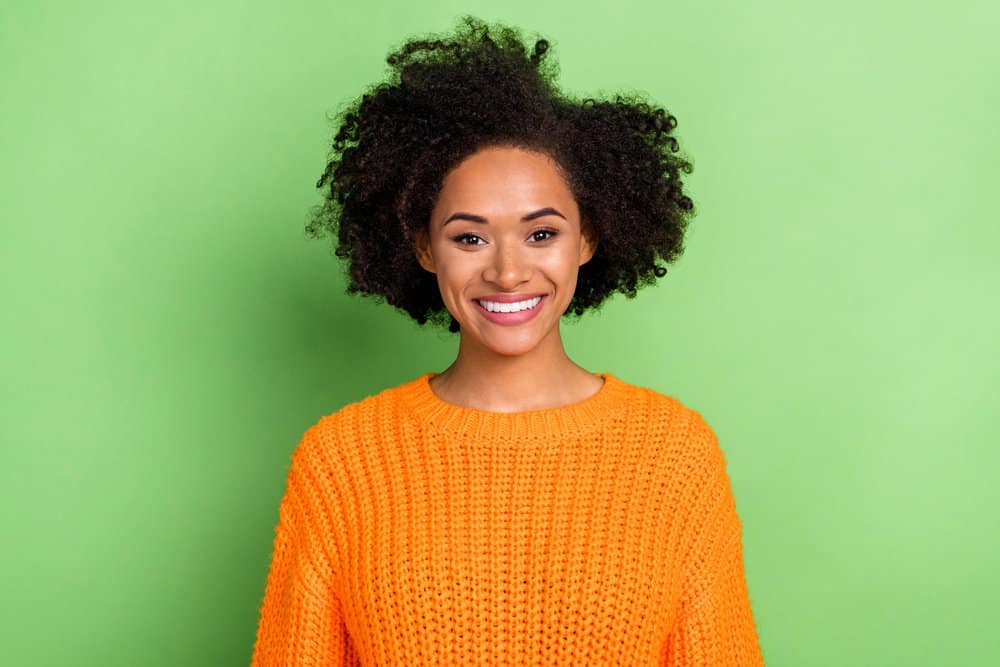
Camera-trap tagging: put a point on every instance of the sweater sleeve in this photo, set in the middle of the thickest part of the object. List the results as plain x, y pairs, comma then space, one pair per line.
715, 626
300, 618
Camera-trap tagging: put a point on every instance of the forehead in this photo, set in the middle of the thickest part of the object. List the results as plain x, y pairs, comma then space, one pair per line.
503, 179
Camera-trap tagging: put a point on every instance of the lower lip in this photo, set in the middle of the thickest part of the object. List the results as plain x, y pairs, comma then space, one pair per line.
519, 317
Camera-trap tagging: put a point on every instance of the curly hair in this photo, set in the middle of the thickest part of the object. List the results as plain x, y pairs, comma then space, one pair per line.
448, 97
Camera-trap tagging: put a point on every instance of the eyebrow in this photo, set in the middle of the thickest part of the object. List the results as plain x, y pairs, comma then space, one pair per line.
528, 218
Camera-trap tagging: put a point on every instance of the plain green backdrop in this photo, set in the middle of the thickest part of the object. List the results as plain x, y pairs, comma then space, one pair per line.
169, 333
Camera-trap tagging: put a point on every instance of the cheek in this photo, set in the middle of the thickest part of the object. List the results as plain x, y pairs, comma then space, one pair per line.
563, 265
454, 272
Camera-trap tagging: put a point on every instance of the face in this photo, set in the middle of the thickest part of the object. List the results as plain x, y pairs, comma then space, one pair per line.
505, 243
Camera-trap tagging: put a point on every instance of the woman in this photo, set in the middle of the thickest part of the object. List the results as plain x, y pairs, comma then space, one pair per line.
515, 508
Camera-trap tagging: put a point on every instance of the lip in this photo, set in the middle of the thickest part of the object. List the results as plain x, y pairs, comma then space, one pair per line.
511, 319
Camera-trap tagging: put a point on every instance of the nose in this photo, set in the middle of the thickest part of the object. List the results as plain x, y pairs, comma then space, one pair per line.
507, 268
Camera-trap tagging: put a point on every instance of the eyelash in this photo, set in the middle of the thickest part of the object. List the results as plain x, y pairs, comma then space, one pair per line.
551, 234
462, 238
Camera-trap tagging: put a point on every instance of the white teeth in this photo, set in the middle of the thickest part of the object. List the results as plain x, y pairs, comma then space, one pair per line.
498, 307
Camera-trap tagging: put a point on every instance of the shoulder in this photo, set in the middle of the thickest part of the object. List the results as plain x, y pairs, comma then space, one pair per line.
687, 449
354, 423
661, 408
374, 404
677, 426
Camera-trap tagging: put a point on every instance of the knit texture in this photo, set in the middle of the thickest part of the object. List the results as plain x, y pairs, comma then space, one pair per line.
417, 532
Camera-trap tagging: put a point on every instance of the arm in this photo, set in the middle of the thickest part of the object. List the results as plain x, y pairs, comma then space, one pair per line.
715, 626
300, 620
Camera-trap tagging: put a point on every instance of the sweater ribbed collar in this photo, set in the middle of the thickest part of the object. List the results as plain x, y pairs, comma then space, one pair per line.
420, 401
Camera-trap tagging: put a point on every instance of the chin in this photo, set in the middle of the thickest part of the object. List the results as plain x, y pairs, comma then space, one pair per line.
509, 343
511, 349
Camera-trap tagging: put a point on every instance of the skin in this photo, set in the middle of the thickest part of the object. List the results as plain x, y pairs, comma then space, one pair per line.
478, 244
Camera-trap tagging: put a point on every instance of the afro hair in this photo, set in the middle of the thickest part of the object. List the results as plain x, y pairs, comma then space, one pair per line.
447, 97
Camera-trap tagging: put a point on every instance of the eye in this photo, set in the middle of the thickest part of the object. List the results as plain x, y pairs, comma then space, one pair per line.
543, 235
468, 239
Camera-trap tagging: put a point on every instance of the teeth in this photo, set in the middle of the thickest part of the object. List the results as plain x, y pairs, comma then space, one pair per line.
497, 307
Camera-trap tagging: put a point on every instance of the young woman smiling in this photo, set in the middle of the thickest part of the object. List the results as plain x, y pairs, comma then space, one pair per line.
514, 508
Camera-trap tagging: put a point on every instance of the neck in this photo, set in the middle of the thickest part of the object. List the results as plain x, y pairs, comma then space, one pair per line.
543, 378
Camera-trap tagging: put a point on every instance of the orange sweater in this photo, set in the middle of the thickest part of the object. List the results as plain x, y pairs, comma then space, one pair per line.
416, 532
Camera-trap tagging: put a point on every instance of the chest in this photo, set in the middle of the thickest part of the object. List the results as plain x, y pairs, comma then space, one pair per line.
531, 544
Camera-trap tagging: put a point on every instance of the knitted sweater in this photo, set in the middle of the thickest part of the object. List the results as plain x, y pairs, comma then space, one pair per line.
417, 532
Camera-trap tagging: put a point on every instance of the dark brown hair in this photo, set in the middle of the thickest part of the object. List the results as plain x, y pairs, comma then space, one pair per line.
449, 96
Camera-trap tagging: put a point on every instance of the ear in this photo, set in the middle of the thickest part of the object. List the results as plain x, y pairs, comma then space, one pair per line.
588, 244
422, 249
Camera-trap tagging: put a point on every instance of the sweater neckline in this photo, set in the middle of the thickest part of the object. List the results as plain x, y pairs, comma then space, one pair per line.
430, 410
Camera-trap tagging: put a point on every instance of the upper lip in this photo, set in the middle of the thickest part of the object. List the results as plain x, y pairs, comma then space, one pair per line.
508, 298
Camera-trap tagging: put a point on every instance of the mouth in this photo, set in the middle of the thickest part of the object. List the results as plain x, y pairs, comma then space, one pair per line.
512, 307
515, 312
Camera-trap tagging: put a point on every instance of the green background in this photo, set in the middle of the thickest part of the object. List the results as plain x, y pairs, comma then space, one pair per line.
169, 332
